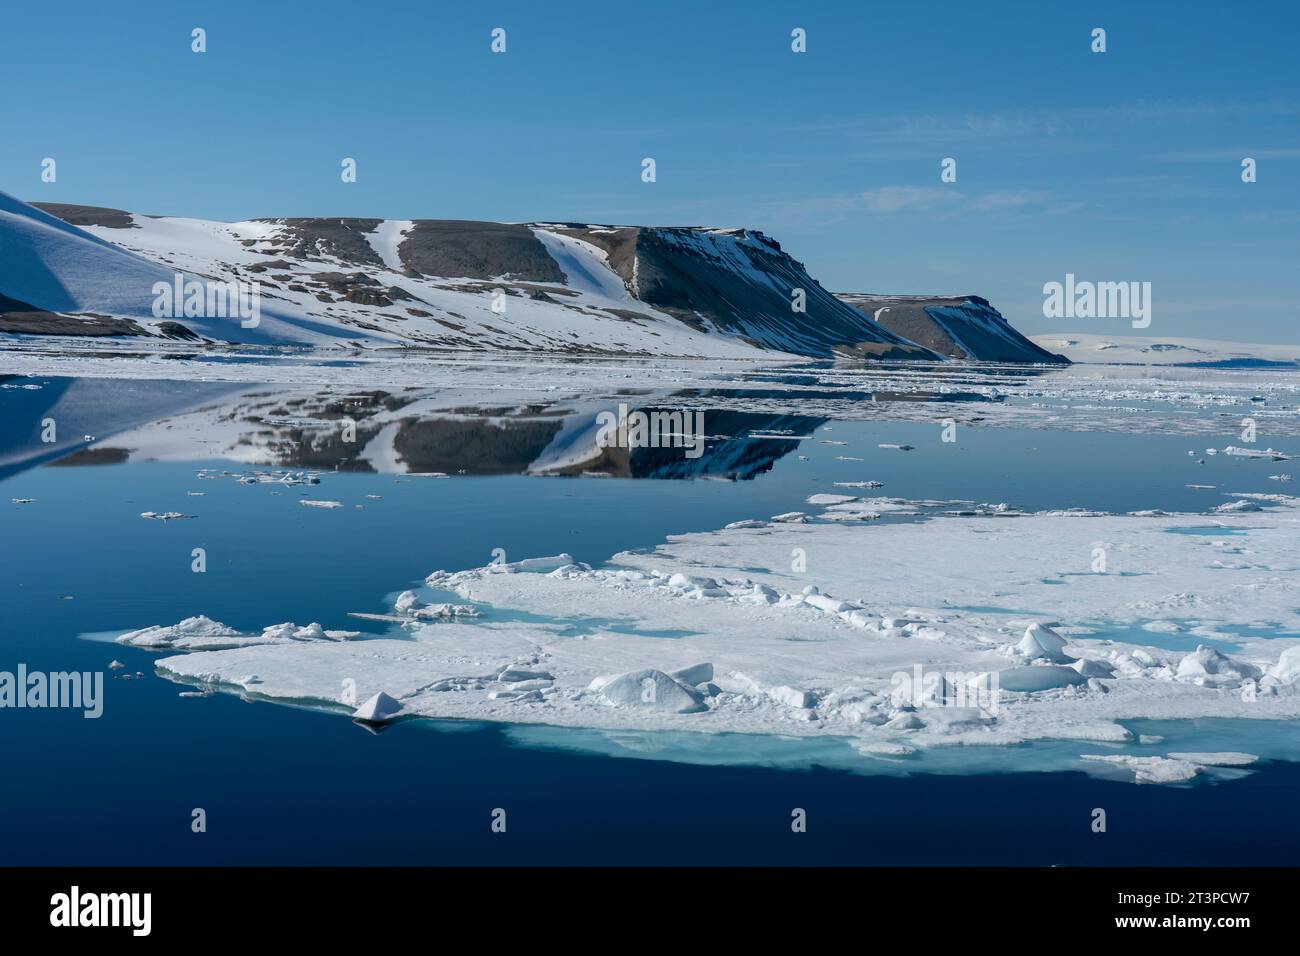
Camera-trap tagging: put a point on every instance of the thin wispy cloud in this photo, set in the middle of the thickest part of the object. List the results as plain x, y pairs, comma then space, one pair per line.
935, 202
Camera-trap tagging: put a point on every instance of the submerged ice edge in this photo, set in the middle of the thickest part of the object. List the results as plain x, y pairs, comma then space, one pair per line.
758, 651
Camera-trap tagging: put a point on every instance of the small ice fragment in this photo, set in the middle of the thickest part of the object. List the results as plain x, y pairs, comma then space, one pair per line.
650, 689
1029, 680
515, 675
1287, 668
883, 748
1042, 643
1091, 668
377, 709
791, 517
824, 602
907, 720
790, 696
694, 675
1237, 506
1207, 667
1152, 769
830, 499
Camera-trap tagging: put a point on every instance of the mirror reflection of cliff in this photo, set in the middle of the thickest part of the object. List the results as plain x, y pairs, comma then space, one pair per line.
474, 431
411, 431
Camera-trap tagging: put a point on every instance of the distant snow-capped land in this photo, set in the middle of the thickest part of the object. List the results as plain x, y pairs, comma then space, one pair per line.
1093, 349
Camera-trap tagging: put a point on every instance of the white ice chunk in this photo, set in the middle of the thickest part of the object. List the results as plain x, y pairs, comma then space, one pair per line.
1208, 667
649, 689
378, 709
1152, 769
1041, 643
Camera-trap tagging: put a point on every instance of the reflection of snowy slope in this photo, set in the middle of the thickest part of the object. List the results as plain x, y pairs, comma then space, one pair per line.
85, 410
728, 450
740, 446
412, 430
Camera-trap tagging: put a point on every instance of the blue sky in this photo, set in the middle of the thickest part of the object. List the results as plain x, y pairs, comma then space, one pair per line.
1116, 166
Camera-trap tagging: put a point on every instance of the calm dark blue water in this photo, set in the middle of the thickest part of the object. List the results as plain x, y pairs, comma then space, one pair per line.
282, 785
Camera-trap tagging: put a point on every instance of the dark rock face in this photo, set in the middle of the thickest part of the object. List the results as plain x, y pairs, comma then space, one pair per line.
961, 327
352, 287
174, 330
740, 281
477, 250
343, 239
75, 215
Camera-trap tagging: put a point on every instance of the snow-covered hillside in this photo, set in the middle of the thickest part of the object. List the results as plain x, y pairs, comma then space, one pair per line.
441, 284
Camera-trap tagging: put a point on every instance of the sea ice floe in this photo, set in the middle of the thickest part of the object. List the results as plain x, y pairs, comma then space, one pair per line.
1152, 769
824, 499
820, 653
1271, 454
791, 517
203, 633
